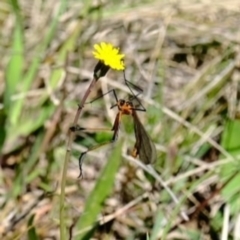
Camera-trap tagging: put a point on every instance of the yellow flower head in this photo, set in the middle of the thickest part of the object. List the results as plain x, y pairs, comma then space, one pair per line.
109, 55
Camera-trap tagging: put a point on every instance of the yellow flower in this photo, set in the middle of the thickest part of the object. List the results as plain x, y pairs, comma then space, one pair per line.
109, 55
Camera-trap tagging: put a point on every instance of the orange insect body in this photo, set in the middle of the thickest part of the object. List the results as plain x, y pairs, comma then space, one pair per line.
144, 147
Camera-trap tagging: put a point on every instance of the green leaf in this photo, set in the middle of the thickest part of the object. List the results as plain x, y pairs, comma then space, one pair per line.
26, 125
230, 139
67, 47
231, 142
15, 65
32, 235
28, 77
2, 128
158, 224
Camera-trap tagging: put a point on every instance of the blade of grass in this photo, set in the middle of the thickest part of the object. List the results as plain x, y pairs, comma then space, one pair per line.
230, 141
26, 126
3, 119
68, 46
102, 189
15, 65
34, 66
158, 224
32, 235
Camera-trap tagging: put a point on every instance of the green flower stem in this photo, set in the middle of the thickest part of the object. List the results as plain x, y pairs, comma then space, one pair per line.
67, 157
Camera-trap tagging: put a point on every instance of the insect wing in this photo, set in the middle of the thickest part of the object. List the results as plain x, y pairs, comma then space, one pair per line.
144, 145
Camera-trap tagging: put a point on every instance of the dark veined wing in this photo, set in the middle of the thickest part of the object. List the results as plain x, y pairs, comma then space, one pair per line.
144, 146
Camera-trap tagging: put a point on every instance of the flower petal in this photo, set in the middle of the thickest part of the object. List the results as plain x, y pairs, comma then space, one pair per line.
109, 55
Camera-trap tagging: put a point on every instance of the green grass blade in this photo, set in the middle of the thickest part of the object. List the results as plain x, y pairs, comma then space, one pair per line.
158, 224
102, 189
2, 128
15, 65
67, 47
34, 66
230, 139
32, 235
28, 124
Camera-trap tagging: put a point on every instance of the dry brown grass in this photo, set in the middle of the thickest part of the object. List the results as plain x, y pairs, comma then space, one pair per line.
186, 57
